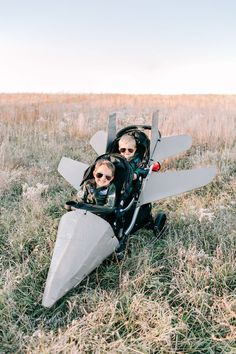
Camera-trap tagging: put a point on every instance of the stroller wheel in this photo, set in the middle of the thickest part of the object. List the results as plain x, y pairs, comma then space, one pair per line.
159, 224
120, 256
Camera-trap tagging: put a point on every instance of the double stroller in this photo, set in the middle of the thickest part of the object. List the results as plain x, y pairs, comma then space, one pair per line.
126, 216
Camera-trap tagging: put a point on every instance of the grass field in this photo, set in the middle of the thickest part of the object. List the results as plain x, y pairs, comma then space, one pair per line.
173, 295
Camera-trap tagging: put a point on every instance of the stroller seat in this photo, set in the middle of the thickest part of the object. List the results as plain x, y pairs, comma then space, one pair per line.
141, 138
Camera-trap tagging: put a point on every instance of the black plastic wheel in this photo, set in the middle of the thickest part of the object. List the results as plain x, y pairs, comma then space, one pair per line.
159, 224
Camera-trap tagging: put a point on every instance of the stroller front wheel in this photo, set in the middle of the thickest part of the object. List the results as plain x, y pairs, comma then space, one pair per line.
159, 224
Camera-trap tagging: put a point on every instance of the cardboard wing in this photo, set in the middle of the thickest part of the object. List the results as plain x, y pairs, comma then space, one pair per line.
99, 142
170, 146
72, 171
162, 185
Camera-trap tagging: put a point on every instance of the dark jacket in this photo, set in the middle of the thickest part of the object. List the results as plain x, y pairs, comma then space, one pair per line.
137, 166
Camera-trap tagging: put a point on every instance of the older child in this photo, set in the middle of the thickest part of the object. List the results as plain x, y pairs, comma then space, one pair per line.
98, 190
127, 148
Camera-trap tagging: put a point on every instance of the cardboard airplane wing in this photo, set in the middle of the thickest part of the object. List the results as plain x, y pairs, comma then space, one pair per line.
170, 146
163, 147
162, 185
72, 171
99, 142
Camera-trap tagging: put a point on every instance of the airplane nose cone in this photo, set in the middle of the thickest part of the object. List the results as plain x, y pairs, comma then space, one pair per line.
48, 301
79, 249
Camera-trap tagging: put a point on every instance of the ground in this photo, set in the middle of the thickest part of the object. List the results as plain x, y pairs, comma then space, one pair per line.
173, 295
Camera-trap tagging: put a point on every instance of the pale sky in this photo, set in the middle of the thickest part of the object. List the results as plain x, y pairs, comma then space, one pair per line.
118, 46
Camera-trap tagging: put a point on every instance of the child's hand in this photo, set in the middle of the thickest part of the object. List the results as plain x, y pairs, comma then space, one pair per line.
143, 172
135, 177
79, 195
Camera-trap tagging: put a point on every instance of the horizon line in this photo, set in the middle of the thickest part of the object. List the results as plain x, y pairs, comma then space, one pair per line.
114, 93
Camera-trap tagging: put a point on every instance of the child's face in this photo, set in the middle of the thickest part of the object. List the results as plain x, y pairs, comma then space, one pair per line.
127, 149
103, 176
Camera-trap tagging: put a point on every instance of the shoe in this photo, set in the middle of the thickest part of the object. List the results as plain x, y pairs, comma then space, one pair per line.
159, 224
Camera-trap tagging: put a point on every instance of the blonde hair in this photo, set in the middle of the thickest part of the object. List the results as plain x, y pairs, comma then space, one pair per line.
126, 138
107, 163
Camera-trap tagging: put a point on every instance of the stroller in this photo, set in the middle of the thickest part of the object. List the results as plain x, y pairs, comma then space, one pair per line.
123, 217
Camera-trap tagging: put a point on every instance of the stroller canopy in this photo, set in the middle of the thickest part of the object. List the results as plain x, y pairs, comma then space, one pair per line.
142, 141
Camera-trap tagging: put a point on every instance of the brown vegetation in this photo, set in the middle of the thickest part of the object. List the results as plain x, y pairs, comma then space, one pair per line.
174, 295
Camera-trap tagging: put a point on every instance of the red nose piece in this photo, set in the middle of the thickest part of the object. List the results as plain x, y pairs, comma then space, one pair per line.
156, 166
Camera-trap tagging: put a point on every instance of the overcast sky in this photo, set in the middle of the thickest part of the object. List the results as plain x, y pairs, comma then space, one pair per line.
118, 46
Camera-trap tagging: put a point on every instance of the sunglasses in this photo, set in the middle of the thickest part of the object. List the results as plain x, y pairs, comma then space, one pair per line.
122, 150
99, 175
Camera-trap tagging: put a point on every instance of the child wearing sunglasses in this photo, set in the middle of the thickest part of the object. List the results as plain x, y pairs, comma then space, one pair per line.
99, 190
128, 149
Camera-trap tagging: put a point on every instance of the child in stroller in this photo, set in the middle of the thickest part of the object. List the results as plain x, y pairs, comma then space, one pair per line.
98, 190
133, 143
128, 149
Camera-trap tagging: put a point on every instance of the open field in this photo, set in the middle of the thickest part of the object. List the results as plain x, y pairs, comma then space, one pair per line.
174, 295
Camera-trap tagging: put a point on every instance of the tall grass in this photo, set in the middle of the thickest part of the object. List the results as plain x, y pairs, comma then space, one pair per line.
169, 295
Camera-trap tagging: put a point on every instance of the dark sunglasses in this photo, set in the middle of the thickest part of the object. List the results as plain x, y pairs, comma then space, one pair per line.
122, 150
99, 175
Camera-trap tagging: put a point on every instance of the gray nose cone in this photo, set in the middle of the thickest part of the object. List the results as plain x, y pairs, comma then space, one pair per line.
83, 241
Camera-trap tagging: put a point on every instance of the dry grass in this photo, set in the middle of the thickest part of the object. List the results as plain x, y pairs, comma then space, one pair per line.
175, 295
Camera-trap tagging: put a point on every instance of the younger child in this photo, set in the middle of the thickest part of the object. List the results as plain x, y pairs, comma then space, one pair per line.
98, 190
127, 148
